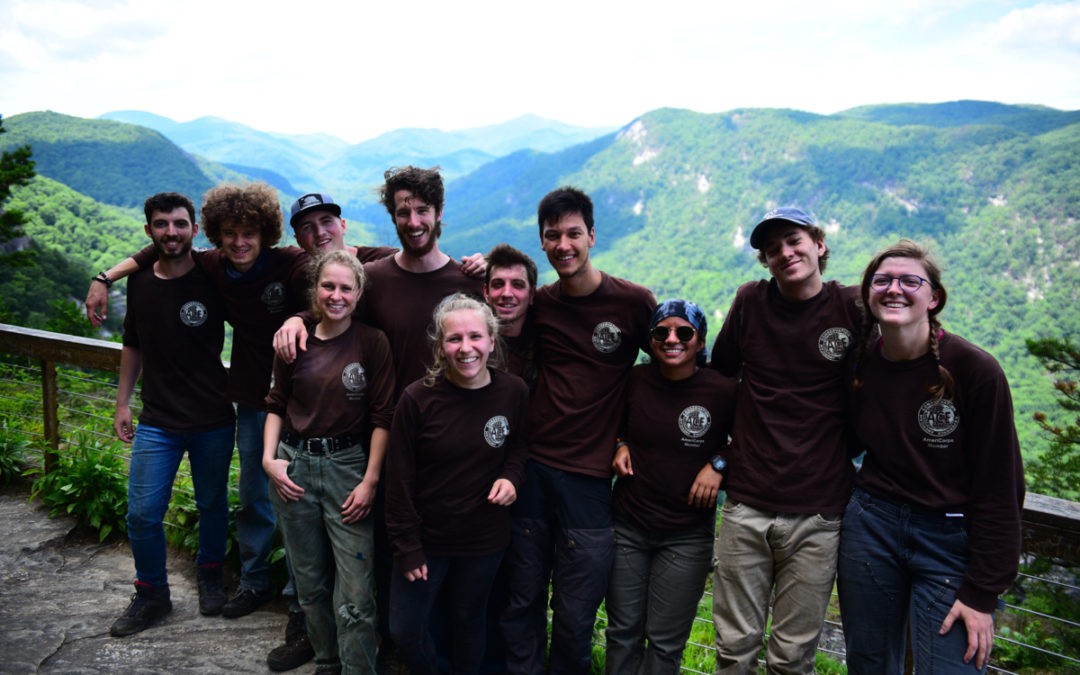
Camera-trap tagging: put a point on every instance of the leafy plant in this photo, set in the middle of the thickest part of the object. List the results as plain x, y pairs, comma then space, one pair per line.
14, 448
89, 482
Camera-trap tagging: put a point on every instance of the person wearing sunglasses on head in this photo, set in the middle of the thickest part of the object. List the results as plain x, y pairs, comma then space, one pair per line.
931, 536
670, 462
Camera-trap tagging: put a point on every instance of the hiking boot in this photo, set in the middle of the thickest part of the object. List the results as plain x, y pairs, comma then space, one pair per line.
246, 601
297, 648
148, 604
211, 592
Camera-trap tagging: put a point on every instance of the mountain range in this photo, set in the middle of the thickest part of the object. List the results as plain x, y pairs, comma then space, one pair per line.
994, 189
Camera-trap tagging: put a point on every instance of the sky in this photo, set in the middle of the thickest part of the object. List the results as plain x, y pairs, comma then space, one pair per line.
359, 69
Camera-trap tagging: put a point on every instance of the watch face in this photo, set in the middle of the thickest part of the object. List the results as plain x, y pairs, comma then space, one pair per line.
719, 464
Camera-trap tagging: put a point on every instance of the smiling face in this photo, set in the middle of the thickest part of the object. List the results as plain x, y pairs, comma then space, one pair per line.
674, 356
791, 255
336, 293
509, 294
241, 244
466, 345
171, 232
418, 224
567, 243
895, 307
320, 230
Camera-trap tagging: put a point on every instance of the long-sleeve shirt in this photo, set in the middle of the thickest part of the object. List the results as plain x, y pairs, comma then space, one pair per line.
958, 455
449, 445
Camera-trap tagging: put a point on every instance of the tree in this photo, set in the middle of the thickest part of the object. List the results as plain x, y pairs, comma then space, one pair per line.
16, 168
1056, 471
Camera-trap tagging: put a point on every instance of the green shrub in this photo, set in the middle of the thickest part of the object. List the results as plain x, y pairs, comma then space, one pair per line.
14, 450
89, 482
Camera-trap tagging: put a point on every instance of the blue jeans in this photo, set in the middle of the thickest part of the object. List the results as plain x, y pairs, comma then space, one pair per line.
652, 599
155, 457
331, 560
255, 520
562, 530
467, 581
899, 566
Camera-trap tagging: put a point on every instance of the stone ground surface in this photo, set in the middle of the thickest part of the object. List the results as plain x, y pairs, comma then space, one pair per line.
60, 591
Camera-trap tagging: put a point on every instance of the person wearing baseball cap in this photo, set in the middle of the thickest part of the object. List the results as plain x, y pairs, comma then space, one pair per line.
789, 475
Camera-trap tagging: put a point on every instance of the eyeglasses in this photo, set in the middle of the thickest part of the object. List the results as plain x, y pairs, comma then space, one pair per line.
909, 283
682, 333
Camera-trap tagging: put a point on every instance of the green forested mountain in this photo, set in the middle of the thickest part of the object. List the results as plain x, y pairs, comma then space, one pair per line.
994, 189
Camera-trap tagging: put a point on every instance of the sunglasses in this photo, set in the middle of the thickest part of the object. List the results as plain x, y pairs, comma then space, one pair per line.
682, 333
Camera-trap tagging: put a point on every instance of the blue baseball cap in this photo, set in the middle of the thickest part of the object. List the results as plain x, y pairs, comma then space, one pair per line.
789, 214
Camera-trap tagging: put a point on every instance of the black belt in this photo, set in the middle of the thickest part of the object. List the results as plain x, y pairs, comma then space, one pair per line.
321, 446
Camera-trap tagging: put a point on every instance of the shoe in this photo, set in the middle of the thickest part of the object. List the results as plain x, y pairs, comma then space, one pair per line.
246, 601
148, 604
297, 648
211, 592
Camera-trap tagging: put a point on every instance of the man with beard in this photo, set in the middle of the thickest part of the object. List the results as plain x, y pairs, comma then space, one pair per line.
400, 295
173, 332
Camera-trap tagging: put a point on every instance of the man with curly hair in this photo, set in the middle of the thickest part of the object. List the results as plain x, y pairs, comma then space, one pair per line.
260, 284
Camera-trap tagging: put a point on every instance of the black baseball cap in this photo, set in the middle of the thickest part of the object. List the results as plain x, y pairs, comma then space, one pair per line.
789, 214
311, 202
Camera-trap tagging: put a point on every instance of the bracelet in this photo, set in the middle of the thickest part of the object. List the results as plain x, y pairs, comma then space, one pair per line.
103, 278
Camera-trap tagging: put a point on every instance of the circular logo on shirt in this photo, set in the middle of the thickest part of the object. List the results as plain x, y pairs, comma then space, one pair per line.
606, 337
273, 296
938, 418
353, 378
193, 314
695, 421
834, 343
496, 430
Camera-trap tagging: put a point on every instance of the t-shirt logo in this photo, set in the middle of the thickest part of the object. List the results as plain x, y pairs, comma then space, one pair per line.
193, 314
353, 378
606, 337
273, 296
938, 418
834, 342
695, 421
496, 430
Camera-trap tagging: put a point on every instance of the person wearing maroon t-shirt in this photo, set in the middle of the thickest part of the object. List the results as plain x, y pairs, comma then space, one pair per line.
459, 438
328, 419
589, 328
509, 289
670, 463
789, 473
931, 536
173, 333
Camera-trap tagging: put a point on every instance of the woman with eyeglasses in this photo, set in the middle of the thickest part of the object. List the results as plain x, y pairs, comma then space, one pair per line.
670, 463
931, 536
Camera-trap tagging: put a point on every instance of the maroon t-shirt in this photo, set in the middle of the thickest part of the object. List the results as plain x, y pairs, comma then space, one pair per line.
790, 442
344, 385
958, 456
673, 428
259, 300
178, 327
585, 348
449, 446
400, 304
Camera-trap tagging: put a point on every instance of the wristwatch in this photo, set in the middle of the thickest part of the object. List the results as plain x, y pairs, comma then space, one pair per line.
719, 465
103, 278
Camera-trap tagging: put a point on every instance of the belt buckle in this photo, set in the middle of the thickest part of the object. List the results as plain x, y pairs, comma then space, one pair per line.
316, 446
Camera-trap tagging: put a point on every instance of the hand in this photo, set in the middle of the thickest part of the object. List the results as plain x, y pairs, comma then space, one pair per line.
621, 464
277, 470
358, 504
706, 486
122, 425
980, 632
420, 573
474, 265
97, 304
287, 338
502, 493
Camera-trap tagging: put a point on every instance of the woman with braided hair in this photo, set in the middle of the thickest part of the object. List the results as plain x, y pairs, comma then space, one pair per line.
931, 536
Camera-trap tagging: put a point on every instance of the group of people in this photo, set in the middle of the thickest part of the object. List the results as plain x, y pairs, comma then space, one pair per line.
438, 441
